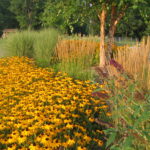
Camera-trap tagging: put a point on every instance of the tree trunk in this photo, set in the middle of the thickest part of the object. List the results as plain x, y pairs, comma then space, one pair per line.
102, 18
115, 18
111, 41
112, 30
29, 20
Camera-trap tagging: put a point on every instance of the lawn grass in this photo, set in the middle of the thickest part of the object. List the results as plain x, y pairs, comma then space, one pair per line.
3, 52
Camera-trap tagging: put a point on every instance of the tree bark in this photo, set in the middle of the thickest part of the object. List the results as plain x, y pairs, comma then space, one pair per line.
29, 20
102, 18
115, 18
111, 33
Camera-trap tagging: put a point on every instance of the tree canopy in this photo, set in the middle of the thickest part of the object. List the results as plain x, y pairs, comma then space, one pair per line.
76, 16
7, 18
27, 12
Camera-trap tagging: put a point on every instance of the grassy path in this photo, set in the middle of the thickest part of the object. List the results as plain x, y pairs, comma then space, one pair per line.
2, 53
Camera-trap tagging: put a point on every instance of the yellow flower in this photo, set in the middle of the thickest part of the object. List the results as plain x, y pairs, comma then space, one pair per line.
108, 114
21, 139
91, 119
67, 121
2, 126
104, 107
26, 132
69, 126
87, 138
62, 116
81, 148
77, 134
34, 147
39, 102
45, 139
54, 144
88, 112
70, 142
99, 142
11, 140
100, 132
12, 147
75, 97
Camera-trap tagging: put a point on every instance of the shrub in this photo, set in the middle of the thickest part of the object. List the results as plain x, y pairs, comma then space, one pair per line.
128, 127
130, 116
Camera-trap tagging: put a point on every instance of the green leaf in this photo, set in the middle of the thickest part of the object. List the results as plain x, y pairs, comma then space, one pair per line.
114, 147
144, 117
109, 130
128, 142
111, 139
128, 148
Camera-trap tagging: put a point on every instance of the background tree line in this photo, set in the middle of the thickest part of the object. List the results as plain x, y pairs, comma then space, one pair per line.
74, 16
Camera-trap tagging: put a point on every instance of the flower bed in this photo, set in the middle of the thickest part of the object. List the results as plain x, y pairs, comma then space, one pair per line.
41, 109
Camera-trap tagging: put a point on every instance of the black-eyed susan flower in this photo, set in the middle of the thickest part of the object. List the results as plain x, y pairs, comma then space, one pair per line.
41, 109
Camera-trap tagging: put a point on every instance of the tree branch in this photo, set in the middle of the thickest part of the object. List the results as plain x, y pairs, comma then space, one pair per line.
120, 14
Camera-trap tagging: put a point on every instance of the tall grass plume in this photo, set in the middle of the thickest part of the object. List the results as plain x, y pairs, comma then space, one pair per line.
136, 61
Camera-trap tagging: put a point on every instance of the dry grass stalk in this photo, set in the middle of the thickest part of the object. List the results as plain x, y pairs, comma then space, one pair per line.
68, 49
78, 47
136, 61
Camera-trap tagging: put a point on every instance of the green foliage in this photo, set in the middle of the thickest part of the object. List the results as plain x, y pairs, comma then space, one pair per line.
131, 116
7, 18
20, 43
27, 12
74, 16
129, 28
3, 52
44, 45
38, 45
65, 15
78, 68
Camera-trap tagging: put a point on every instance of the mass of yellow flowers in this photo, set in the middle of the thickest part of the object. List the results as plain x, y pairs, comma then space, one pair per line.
44, 110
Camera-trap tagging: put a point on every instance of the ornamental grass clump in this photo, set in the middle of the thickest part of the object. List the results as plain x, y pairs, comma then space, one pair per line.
33, 44
20, 43
76, 57
136, 61
44, 45
41, 109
